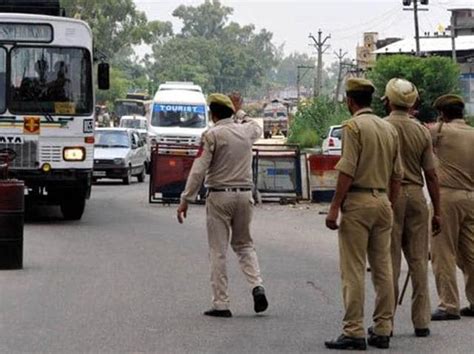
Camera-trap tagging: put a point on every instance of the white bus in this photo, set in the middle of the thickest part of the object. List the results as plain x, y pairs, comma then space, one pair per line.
47, 103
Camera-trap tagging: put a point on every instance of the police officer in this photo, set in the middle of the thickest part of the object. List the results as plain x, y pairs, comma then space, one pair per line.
369, 163
226, 165
454, 140
411, 214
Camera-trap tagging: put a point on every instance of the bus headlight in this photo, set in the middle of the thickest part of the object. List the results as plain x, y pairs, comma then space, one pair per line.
119, 161
74, 154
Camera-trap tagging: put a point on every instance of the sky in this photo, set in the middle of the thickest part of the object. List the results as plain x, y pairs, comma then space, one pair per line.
291, 21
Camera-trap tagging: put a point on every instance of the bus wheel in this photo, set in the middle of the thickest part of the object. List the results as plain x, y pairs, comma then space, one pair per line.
73, 208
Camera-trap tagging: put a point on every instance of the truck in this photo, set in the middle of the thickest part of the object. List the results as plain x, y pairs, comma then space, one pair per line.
275, 119
47, 102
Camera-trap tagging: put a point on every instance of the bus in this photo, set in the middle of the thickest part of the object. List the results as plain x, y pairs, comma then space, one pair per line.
134, 104
47, 102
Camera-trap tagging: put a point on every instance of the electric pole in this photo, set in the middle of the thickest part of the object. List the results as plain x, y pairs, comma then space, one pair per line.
321, 47
415, 10
300, 77
339, 56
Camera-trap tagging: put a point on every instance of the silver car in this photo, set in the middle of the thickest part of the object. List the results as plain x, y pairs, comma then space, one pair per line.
119, 153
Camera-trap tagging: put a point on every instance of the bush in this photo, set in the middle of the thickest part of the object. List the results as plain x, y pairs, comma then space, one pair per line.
313, 119
470, 120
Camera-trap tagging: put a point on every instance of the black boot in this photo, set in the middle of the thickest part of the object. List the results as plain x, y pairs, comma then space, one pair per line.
468, 311
218, 313
381, 342
370, 330
440, 315
343, 342
260, 302
422, 332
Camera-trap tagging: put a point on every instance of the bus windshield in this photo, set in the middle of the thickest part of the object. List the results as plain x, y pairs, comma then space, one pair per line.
50, 80
129, 108
133, 123
173, 115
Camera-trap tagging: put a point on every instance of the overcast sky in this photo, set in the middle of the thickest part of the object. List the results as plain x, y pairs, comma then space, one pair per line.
291, 21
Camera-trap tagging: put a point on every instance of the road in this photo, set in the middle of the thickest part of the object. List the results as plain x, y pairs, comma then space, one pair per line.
128, 278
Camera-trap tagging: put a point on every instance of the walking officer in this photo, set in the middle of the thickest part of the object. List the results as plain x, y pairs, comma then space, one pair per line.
454, 140
369, 164
411, 214
225, 164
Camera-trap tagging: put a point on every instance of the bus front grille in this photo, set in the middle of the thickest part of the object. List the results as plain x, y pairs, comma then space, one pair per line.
26, 154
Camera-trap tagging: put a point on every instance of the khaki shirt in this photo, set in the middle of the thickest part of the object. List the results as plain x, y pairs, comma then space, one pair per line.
454, 149
370, 151
226, 160
416, 147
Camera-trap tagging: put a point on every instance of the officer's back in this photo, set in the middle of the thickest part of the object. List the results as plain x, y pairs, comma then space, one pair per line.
231, 144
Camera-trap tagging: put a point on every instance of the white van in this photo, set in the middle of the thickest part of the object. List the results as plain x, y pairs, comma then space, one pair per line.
179, 114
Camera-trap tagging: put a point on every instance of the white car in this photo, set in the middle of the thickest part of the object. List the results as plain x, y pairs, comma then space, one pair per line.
332, 144
119, 153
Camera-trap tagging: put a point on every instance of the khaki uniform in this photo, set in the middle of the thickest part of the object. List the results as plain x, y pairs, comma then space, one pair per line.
411, 214
455, 244
370, 154
226, 162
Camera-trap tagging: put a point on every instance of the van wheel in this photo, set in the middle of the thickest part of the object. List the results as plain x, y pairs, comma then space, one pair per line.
141, 176
126, 180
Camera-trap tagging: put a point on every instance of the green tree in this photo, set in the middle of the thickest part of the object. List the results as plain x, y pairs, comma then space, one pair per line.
212, 52
433, 76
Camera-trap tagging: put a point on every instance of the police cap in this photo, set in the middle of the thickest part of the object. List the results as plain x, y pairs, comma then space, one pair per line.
220, 99
355, 84
448, 100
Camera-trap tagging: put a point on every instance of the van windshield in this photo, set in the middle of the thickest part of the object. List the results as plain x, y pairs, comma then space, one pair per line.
184, 116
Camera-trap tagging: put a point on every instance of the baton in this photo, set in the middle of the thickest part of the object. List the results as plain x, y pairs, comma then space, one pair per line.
405, 286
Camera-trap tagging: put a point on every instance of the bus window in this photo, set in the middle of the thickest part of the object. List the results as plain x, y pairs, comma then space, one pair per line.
3, 84
50, 80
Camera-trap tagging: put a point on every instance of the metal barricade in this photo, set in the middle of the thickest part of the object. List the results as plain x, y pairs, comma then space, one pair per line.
170, 167
277, 171
323, 177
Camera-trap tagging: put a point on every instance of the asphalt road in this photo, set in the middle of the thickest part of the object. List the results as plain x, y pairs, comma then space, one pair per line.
128, 278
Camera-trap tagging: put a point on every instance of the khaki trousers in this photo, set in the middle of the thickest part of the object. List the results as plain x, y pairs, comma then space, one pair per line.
228, 219
364, 233
410, 235
454, 245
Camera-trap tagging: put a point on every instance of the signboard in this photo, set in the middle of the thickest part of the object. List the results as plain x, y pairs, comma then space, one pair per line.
25, 32
199, 109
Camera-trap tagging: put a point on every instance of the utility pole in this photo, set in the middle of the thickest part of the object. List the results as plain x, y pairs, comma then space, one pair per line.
415, 10
320, 45
300, 77
339, 56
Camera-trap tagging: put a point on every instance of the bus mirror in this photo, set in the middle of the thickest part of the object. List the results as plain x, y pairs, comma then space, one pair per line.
103, 76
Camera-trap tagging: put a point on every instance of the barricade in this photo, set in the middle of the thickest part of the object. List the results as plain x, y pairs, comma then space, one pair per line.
170, 167
323, 177
277, 171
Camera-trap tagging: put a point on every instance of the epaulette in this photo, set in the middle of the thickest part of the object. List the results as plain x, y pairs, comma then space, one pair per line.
351, 125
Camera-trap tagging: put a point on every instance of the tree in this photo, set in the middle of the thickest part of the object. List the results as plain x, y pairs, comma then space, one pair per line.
207, 20
433, 76
116, 24
210, 51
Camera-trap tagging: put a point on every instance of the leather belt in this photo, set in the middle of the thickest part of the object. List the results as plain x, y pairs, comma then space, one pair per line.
230, 189
367, 190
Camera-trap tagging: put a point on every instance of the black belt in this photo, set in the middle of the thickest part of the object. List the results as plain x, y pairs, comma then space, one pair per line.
230, 189
367, 190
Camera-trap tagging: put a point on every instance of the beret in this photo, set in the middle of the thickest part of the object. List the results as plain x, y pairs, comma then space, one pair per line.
358, 84
448, 100
220, 99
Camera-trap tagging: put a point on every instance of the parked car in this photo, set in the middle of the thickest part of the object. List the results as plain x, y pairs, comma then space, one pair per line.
119, 153
332, 144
